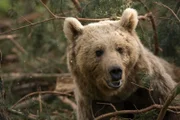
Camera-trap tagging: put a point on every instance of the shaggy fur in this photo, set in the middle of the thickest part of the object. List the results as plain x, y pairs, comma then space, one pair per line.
121, 47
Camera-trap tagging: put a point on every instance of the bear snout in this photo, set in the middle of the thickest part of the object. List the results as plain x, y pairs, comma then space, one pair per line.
116, 76
115, 73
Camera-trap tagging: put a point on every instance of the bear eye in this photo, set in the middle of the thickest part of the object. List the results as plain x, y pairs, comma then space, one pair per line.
120, 50
99, 53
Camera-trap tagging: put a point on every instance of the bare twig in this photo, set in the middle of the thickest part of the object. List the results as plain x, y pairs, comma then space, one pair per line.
110, 104
47, 20
14, 76
53, 18
40, 101
26, 20
152, 107
53, 15
146, 8
168, 101
17, 44
151, 95
29, 17
156, 43
42, 92
28, 102
29, 116
77, 5
0, 61
2, 37
33, 24
151, 17
68, 101
148, 89
163, 108
11, 38
160, 4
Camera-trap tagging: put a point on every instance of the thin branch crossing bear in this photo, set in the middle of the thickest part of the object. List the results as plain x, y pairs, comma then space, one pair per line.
109, 63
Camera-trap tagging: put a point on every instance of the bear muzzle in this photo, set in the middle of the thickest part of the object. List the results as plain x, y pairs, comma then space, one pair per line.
114, 84
116, 76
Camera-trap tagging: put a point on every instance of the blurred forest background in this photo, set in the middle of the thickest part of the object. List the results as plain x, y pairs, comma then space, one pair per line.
35, 83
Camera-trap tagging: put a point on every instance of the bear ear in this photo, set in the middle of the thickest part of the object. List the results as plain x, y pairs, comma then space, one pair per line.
129, 19
72, 28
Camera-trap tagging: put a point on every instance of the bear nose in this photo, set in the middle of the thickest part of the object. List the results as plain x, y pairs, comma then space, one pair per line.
116, 73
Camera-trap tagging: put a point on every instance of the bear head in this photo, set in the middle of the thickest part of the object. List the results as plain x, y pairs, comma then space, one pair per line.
104, 53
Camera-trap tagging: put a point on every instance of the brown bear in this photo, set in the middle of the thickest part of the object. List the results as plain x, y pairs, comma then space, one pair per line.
108, 63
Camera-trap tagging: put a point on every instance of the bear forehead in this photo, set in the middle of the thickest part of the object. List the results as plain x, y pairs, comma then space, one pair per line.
105, 31
103, 26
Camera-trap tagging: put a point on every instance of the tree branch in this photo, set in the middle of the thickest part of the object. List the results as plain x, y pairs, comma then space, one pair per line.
2, 37
170, 98
68, 102
160, 4
17, 44
148, 89
77, 5
11, 38
155, 106
14, 76
53, 18
40, 92
27, 103
29, 116
110, 104
32, 24
151, 17
53, 15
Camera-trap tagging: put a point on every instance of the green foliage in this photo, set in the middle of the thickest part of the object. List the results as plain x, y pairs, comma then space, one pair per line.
4, 5
145, 79
169, 33
150, 115
177, 89
104, 8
